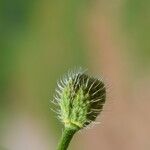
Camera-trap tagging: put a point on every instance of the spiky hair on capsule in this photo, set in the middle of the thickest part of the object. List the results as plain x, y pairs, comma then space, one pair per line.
80, 98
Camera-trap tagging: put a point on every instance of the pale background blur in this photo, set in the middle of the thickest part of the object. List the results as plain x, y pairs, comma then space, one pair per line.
41, 39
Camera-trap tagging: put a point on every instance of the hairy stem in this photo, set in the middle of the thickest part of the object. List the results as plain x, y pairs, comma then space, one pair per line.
66, 138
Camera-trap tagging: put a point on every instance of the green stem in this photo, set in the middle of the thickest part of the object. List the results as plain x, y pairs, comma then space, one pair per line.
66, 138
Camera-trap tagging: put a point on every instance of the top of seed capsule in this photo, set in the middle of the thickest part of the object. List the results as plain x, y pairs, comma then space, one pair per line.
80, 98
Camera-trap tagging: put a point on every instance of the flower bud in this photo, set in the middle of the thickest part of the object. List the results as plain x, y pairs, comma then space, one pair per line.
80, 99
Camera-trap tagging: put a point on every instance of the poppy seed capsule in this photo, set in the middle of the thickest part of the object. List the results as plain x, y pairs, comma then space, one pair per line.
81, 99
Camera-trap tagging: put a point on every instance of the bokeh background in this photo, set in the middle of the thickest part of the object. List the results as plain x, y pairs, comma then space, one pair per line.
40, 40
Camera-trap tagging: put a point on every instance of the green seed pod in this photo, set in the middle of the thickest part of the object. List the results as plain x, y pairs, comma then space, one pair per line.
80, 99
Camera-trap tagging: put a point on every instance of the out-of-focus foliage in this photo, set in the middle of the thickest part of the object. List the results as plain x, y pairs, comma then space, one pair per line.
136, 21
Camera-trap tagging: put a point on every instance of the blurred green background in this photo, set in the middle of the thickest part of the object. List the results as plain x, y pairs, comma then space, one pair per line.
40, 40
